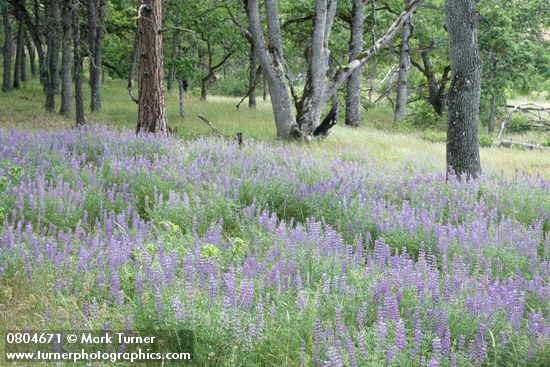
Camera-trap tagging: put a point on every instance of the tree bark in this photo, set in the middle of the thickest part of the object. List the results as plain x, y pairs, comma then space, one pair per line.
52, 55
175, 53
23, 57
204, 89
96, 20
7, 49
317, 90
133, 67
77, 59
404, 64
181, 87
316, 93
36, 36
32, 56
152, 110
492, 113
18, 53
464, 94
66, 61
353, 95
264, 88
273, 65
252, 82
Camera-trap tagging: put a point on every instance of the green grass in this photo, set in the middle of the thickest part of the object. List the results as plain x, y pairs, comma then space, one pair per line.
384, 142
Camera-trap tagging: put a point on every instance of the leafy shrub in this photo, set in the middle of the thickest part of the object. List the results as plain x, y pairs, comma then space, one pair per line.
434, 136
518, 124
422, 115
485, 141
229, 87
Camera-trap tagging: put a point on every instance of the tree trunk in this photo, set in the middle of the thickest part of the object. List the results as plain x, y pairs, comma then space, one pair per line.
37, 40
96, 19
492, 114
52, 56
252, 78
30, 51
175, 52
464, 94
353, 95
273, 65
152, 110
133, 67
18, 54
38, 27
181, 87
79, 100
204, 89
23, 56
264, 88
316, 93
66, 61
404, 64
436, 88
7, 49
317, 90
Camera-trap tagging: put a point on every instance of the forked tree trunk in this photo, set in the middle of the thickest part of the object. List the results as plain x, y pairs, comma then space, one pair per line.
66, 61
464, 94
273, 66
317, 90
7, 49
152, 110
77, 58
353, 95
404, 64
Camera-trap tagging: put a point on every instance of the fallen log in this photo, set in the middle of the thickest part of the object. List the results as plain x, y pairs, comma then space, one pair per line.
511, 143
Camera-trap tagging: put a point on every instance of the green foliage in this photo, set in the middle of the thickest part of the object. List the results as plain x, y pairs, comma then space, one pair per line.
485, 141
518, 124
234, 87
434, 136
423, 116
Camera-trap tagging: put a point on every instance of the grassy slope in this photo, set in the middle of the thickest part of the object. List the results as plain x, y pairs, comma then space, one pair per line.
23, 108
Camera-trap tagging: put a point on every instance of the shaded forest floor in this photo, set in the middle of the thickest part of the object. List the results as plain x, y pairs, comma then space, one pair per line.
382, 141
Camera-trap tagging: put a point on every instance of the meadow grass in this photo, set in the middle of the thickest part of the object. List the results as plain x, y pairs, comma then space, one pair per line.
384, 142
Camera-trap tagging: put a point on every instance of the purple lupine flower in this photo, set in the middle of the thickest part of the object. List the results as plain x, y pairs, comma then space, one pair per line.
340, 327
362, 344
351, 351
28, 265
159, 302
391, 309
381, 335
177, 307
436, 353
400, 337
247, 294
361, 315
417, 333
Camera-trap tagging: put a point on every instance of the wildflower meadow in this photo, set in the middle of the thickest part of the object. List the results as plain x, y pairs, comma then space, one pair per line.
272, 255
